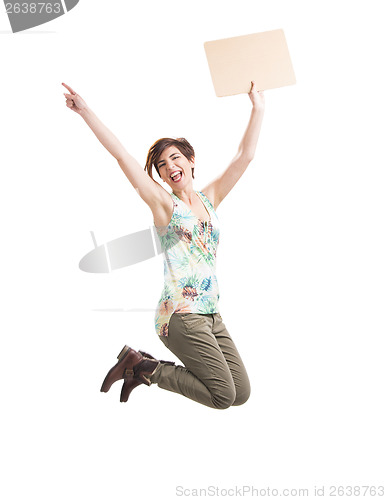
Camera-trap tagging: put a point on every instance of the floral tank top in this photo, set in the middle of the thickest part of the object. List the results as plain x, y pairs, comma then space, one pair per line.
189, 246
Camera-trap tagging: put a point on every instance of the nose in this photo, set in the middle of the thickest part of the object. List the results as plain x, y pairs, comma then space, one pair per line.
171, 167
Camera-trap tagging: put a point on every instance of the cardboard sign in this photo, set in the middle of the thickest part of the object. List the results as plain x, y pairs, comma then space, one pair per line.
262, 57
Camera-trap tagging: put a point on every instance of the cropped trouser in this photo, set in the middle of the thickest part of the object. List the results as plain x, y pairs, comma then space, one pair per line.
214, 374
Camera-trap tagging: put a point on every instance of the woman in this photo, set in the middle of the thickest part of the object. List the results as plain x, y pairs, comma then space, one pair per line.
187, 318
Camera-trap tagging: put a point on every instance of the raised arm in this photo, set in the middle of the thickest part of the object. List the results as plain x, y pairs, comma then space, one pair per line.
149, 190
221, 186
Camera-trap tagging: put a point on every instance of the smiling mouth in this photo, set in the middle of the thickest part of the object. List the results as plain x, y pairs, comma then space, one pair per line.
176, 176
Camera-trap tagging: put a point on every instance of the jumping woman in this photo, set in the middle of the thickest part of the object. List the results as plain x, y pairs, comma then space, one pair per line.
187, 318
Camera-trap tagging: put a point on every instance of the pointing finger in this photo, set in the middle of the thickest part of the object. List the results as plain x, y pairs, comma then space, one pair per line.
69, 88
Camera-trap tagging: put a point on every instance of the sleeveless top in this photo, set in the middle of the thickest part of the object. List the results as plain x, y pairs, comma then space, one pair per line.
189, 246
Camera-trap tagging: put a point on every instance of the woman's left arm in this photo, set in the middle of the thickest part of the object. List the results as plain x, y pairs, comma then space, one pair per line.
221, 186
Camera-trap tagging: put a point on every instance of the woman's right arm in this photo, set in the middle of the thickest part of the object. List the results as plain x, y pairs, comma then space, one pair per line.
148, 189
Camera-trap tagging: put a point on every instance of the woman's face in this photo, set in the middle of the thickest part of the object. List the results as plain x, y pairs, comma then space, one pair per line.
174, 168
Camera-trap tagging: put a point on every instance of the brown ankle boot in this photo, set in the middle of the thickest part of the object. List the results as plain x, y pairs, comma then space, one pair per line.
127, 358
141, 374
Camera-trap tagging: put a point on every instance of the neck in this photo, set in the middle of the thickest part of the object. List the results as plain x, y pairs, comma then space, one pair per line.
187, 195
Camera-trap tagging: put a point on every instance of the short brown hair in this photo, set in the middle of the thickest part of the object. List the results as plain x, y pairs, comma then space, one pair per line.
159, 147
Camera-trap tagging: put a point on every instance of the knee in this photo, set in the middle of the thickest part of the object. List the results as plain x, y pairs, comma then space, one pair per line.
242, 395
224, 398
231, 396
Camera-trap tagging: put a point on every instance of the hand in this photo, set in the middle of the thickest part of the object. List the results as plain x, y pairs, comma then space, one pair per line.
74, 101
257, 97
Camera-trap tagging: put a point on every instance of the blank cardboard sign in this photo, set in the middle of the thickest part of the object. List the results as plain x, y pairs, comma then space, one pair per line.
262, 57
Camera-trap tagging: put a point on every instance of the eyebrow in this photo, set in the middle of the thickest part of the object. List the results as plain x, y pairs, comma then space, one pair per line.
163, 161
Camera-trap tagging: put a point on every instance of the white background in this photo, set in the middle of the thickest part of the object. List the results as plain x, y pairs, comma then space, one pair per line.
301, 263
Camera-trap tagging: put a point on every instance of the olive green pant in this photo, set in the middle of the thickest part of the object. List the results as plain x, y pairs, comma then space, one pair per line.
214, 374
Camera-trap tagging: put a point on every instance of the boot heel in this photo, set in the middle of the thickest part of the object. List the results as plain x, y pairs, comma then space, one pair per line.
123, 352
